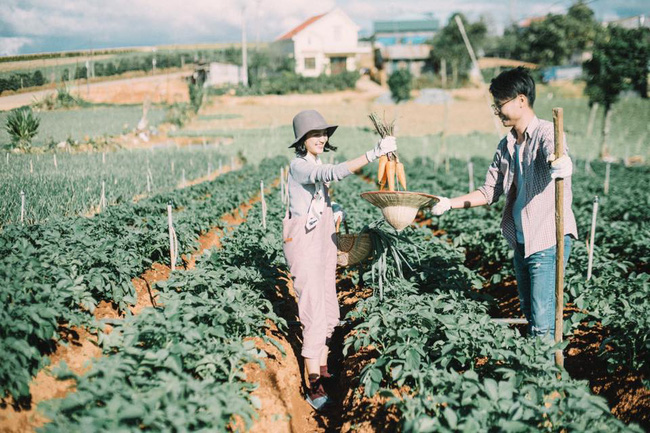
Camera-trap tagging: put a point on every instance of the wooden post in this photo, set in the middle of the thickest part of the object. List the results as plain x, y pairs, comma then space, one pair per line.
558, 123
263, 204
591, 238
470, 171
606, 184
102, 201
172, 255
22, 207
592, 117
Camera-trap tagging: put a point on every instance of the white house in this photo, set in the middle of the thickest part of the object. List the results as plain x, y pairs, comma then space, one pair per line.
324, 43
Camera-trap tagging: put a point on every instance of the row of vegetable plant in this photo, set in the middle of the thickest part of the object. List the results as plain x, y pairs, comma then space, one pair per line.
54, 274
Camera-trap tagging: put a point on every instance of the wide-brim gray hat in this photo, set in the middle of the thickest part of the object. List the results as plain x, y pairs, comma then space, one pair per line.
309, 120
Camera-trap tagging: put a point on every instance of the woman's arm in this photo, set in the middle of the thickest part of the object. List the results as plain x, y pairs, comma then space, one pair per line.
473, 199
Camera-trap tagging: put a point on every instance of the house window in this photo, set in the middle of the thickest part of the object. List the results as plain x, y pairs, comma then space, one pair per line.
310, 63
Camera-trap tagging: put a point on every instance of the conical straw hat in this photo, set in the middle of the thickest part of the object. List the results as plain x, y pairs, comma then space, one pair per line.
399, 207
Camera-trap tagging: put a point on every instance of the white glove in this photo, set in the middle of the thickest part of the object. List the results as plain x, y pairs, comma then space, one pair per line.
441, 207
338, 211
385, 145
561, 167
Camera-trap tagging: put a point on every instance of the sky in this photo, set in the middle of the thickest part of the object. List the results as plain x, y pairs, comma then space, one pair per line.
35, 26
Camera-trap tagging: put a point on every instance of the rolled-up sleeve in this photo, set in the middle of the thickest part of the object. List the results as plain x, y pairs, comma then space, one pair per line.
305, 172
493, 186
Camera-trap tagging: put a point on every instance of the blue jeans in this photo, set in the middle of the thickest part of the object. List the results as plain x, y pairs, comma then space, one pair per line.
536, 286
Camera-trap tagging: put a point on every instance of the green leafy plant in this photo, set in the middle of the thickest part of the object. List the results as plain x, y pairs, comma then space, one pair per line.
22, 125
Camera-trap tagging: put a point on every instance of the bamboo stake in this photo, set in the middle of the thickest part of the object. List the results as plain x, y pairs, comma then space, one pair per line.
470, 171
172, 256
606, 184
591, 238
558, 123
263, 204
22, 207
102, 200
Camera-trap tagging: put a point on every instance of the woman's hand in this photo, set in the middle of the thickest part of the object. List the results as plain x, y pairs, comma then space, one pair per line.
386, 145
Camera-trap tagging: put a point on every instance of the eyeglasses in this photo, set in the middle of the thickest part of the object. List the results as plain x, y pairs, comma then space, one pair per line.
497, 108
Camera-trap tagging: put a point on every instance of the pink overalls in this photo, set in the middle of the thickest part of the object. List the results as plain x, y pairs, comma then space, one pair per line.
311, 256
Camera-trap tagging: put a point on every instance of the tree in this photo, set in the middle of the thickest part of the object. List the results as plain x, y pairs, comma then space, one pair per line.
448, 45
399, 83
620, 61
553, 40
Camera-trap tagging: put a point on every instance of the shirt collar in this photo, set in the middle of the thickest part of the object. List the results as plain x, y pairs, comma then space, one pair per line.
311, 158
511, 138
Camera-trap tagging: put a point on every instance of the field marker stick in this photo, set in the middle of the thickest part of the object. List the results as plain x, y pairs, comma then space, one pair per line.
148, 181
263, 204
558, 123
461, 27
31, 166
591, 238
22, 207
592, 117
282, 184
232, 162
104, 158
172, 236
606, 185
172, 167
470, 170
7, 158
102, 201
183, 178
56, 166
220, 165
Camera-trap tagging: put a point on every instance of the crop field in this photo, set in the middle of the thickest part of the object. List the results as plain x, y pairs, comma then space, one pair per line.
101, 330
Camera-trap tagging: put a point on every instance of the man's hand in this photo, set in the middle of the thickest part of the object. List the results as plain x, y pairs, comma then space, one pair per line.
441, 207
561, 167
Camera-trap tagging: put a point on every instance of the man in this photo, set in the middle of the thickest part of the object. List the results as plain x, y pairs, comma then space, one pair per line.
523, 169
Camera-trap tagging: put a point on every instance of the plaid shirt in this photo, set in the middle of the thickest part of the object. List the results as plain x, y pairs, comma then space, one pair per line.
538, 214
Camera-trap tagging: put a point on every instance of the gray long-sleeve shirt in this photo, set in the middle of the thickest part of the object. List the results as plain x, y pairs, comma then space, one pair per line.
304, 172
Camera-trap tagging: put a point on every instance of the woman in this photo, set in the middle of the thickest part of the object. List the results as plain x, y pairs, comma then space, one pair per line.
309, 239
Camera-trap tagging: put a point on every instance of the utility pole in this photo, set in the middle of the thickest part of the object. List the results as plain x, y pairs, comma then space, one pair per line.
244, 59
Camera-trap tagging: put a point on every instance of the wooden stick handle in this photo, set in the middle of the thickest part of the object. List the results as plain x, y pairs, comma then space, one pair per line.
558, 124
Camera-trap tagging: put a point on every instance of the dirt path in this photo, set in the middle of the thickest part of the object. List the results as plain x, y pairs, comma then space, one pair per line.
160, 88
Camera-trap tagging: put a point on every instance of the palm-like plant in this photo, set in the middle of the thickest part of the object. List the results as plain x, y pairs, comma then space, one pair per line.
22, 125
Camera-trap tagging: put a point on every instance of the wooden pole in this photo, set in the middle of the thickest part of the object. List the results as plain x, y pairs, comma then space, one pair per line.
22, 207
470, 50
591, 238
558, 123
606, 184
172, 255
263, 204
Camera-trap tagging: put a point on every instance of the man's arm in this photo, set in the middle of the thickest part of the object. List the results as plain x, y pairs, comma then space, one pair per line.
473, 199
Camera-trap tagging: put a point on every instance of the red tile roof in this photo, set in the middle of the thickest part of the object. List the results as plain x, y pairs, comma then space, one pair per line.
300, 28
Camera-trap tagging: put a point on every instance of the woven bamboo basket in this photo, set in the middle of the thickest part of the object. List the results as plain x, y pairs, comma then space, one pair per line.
399, 207
352, 248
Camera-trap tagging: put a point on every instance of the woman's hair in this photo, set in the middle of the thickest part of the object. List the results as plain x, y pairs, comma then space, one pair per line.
508, 84
301, 150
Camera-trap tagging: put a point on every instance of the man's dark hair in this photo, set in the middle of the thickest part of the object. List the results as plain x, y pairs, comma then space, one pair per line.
508, 84
301, 150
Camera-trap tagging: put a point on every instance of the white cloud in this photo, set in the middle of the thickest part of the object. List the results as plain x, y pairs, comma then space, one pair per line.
11, 46
146, 22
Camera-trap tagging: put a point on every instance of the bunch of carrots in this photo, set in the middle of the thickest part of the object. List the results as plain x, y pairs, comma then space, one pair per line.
389, 165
